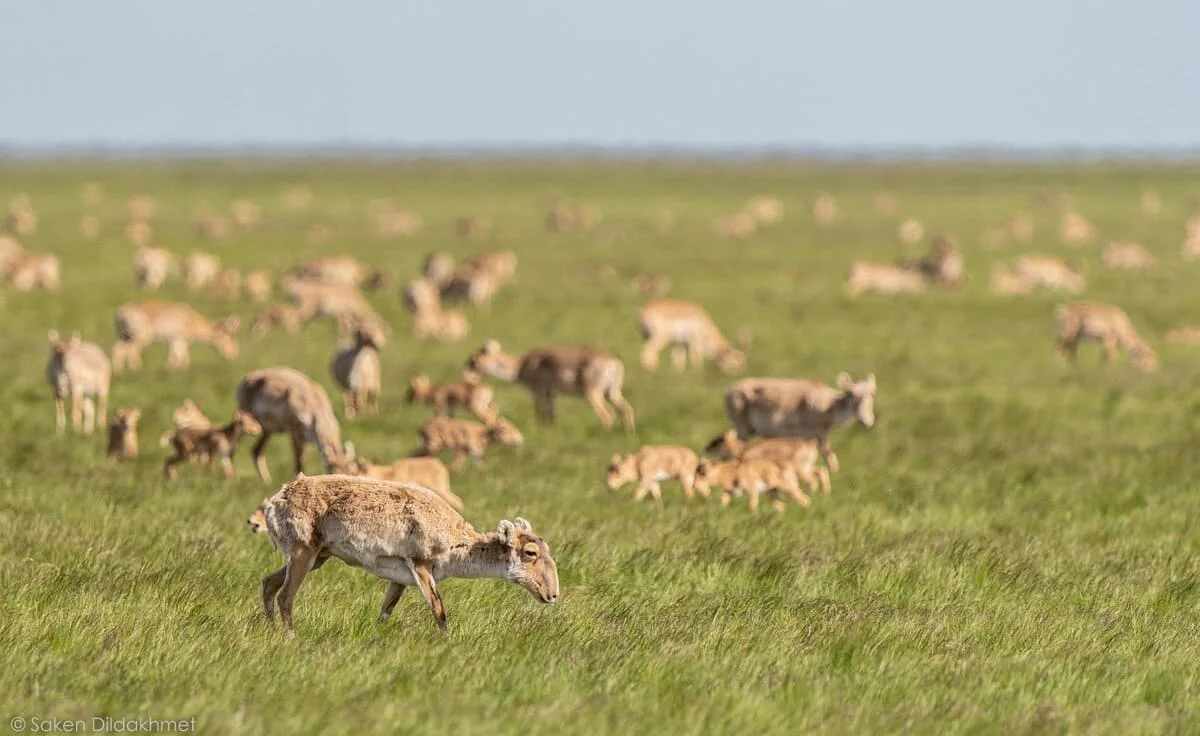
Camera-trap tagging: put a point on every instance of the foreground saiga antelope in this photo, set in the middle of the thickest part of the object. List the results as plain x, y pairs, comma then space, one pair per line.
799, 452
356, 370
1105, 323
800, 407
286, 400
465, 437
652, 464
80, 370
751, 477
141, 323
883, 278
690, 332
400, 532
470, 392
574, 371
425, 471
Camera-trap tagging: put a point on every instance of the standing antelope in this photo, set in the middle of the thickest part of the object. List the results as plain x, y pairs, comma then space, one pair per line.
29, 270
122, 435
464, 437
799, 452
690, 332
751, 477
199, 269
574, 371
473, 284
356, 370
80, 370
286, 400
470, 392
1107, 324
152, 266
219, 443
141, 323
800, 407
651, 465
400, 532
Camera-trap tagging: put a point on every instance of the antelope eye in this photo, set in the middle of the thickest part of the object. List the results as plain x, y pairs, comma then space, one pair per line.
531, 551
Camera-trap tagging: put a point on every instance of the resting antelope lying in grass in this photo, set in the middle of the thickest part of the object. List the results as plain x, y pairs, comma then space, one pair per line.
800, 407
356, 370
424, 303
469, 392
464, 437
1105, 323
652, 464
286, 400
210, 442
31, 270
1050, 272
141, 323
690, 332
80, 370
402, 533
122, 435
883, 278
1120, 256
425, 471
340, 271
289, 317
574, 371
799, 452
751, 477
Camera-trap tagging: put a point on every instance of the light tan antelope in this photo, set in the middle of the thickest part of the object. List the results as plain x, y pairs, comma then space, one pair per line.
438, 267
30, 270
1075, 229
651, 465
152, 266
80, 370
339, 271
469, 392
1124, 256
1107, 324
574, 371
122, 435
425, 471
199, 269
883, 278
1008, 282
400, 532
1185, 334
1049, 272
464, 437
211, 443
327, 300
289, 317
799, 452
943, 266
356, 370
471, 284
751, 478
501, 264
257, 285
691, 334
800, 407
245, 213
738, 225
285, 400
178, 325
228, 283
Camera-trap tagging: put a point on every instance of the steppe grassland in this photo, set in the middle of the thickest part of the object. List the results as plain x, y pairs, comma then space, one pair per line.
1013, 547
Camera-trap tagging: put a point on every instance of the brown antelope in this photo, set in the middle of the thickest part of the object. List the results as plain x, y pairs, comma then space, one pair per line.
883, 278
218, 443
400, 532
464, 437
469, 392
122, 435
501, 264
424, 471
79, 370
152, 266
471, 284
285, 400
751, 477
799, 452
690, 332
651, 465
800, 407
31, 270
1122, 256
289, 317
141, 323
573, 371
356, 370
943, 266
1107, 324
257, 285
199, 269
1050, 272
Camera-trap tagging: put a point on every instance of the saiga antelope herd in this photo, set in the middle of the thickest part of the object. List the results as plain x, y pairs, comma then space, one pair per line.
400, 519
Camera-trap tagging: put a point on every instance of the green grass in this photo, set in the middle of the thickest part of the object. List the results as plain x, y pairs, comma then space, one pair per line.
1013, 548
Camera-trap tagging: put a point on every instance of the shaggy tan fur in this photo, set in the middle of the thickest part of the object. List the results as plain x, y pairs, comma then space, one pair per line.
652, 464
469, 392
464, 437
751, 477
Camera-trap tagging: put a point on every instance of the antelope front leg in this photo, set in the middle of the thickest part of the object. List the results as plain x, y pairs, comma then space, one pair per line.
77, 413
678, 358
348, 404
827, 452
270, 586
390, 598
260, 462
650, 350
298, 447
543, 404
425, 583
60, 416
595, 399
89, 415
299, 565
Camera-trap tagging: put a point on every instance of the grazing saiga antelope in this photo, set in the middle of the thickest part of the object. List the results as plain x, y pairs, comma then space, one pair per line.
751, 477
1107, 324
799, 452
339, 271
400, 532
800, 407
141, 323
1123, 256
652, 464
289, 317
465, 437
285, 400
199, 269
328, 300
257, 285
152, 266
425, 471
573, 371
1050, 272
690, 332
883, 278
80, 370
122, 435
473, 284
30, 270
211, 443
356, 370
445, 398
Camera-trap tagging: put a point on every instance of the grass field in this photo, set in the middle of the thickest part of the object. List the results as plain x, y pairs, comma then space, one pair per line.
1013, 548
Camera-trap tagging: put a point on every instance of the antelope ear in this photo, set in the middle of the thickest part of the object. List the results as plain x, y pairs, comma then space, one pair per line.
616, 458
505, 529
522, 525
491, 346
844, 381
871, 381
53, 335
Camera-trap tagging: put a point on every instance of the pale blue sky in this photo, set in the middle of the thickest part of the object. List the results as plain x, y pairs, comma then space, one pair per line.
841, 74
